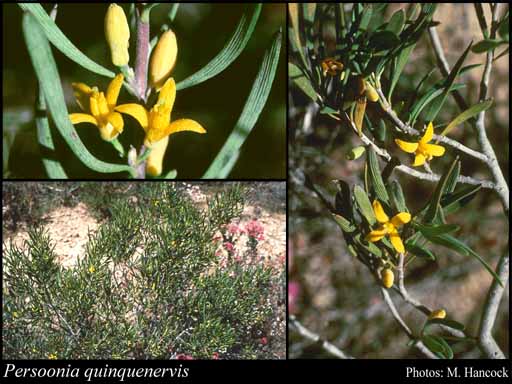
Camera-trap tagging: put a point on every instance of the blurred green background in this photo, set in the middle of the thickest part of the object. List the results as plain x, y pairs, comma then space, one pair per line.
202, 30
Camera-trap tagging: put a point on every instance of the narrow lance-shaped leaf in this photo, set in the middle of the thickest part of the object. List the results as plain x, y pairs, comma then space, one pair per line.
452, 180
436, 106
456, 200
466, 115
458, 246
364, 204
376, 177
296, 75
53, 167
397, 196
229, 53
61, 42
49, 80
224, 161
419, 251
438, 193
398, 67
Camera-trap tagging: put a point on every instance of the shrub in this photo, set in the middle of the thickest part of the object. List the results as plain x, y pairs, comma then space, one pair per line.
148, 286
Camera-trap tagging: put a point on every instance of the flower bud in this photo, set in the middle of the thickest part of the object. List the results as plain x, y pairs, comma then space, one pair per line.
156, 157
163, 59
387, 278
371, 93
355, 153
437, 314
117, 33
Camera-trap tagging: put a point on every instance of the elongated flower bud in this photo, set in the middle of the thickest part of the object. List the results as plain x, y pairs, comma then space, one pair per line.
117, 34
371, 93
437, 314
355, 153
156, 157
163, 59
387, 278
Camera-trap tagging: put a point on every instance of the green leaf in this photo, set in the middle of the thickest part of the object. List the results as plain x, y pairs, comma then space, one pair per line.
226, 158
376, 177
301, 81
49, 80
449, 323
229, 53
344, 224
427, 98
466, 115
487, 45
397, 196
383, 40
458, 246
451, 182
419, 251
61, 42
367, 246
398, 67
438, 103
433, 344
396, 22
53, 167
503, 29
328, 110
446, 352
171, 174
364, 205
438, 193
434, 230
453, 201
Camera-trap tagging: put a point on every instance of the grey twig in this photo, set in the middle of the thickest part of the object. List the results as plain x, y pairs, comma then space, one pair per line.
303, 331
414, 302
418, 344
486, 341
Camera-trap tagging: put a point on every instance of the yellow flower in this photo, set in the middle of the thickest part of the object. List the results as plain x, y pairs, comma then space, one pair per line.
15, 314
388, 227
423, 150
117, 33
99, 108
52, 356
331, 67
92, 269
157, 121
163, 59
154, 163
437, 314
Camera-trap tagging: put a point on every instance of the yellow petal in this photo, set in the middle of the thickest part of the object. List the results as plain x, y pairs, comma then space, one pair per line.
406, 146
167, 94
419, 160
401, 219
93, 105
379, 212
82, 93
108, 132
113, 90
77, 118
116, 120
433, 149
396, 241
137, 111
376, 234
155, 159
184, 125
429, 133
102, 104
